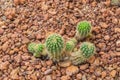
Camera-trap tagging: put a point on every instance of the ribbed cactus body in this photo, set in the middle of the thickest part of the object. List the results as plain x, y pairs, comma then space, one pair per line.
31, 47
76, 58
83, 29
70, 45
38, 50
55, 46
84, 53
87, 49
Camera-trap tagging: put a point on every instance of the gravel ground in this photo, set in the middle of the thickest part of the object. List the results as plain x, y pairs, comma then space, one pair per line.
24, 21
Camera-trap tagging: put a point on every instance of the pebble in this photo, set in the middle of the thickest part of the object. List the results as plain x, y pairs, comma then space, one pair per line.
4, 65
48, 77
91, 60
48, 71
118, 43
49, 62
103, 74
1, 31
84, 67
79, 76
106, 37
117, 30
14, 73
113, 73
5, 46
65, 77
64, 63
25, 40
103, 25
84, 77
72, 70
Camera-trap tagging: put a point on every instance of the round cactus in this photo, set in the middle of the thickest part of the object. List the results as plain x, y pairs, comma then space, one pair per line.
70, 45
38, 50
83, 29
87, 49
76, 58
55, 46
31, 47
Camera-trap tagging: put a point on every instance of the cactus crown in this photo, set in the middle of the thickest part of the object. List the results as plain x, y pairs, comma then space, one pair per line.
31, 47
83, 28
70, 44
87, 49
54, 46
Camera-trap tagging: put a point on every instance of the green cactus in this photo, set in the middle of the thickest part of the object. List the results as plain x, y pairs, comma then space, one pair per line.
83, 30
31, 47
70, 45
86, 50
37, 49
55, 47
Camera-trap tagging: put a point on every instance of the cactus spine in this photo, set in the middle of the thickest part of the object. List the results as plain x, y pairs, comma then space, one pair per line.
55, 45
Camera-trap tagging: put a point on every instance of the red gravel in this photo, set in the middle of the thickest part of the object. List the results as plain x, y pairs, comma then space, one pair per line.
24, 21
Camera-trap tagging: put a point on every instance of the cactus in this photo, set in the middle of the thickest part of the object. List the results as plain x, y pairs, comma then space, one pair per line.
37, 49
55, 47
84, 53
31, 47
83, 30
87, 49
70, 45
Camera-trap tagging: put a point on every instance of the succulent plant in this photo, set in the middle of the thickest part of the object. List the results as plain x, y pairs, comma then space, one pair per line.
31, 47
70, 45
86, 50
83, 29
37, 49
55, 46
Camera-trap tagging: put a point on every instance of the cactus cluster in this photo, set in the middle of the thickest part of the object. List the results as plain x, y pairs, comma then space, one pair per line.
83, 30
86, 50
55, 46
57, 49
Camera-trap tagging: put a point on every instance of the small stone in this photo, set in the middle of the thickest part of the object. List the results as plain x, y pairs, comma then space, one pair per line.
24, 27
16, 2
65, 77
72, 70
49, 62
48, 77
65, 63
79, 76
1, 31
97, 61
84, 77
4, 65
53, 67
103, 25
92, 59
38, 36
103, 74
117, 30
118, 43
113, 73
14, 73
48, 71
107, 37
5, 46
22, 1
83, 67
25, 40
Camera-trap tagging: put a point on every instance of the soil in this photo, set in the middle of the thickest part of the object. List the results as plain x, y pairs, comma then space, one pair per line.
25, 21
